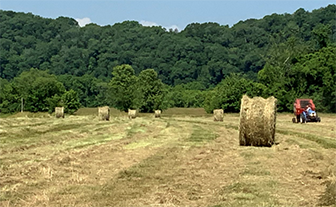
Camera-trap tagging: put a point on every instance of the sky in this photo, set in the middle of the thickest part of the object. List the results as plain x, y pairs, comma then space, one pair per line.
166, 13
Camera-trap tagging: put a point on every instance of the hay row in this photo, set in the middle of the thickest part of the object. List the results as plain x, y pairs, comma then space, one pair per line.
257, 121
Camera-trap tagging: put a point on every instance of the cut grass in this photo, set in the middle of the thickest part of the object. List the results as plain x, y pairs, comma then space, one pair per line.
134, 129
90, 141
172, 161
248, 194
201, 135
256, 171
135, 145
190, 112
247, 154
328, 198
29, 136
94, 112
139, 180
326, 143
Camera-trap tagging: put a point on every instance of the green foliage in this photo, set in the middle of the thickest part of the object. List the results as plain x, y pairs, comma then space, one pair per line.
322, 35
9, 98
123, 88
4, 91
53, 102
316, 75
307, 76
227, 94
277, 73
150, 91
276, 51
127, 91
91, 91
182, 96
205, 52
70, 101
37, 87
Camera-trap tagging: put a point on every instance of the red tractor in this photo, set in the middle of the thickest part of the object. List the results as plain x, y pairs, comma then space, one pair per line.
304, 111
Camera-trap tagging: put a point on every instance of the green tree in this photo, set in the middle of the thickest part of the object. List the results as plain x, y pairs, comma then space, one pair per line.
277, 74
87, 87
37, 88
322, 34
185, 96
150, 91
314, 76
3, 92
227, 94
70, 101
9, 98
123, 88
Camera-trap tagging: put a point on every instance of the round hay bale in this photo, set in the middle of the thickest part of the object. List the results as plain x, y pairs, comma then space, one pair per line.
132, 114
104, 113
257, 121
157, 113
218, 114
59, 112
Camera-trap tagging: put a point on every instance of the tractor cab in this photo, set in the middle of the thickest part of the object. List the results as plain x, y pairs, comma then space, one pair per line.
304, 111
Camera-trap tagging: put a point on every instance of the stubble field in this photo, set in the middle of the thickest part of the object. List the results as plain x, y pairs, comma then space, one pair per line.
181, 159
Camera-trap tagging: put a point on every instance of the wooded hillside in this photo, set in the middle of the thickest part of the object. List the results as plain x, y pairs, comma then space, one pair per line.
205, 65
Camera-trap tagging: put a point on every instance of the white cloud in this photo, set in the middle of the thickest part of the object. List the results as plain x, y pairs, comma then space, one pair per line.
173, 27
152, 24
148, 23
84, 21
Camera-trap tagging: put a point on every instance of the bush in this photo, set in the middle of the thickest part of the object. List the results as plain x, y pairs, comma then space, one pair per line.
227, 94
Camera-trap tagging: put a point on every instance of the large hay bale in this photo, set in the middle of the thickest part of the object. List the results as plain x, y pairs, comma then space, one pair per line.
59, 112
157, 113
257, 121
104, 113
132, 114
218, 114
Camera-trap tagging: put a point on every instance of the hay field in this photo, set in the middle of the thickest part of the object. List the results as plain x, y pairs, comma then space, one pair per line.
182, 159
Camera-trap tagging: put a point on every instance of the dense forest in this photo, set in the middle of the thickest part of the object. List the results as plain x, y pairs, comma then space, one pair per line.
54, 62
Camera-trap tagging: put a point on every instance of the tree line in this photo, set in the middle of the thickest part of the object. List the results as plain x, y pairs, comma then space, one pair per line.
205, 65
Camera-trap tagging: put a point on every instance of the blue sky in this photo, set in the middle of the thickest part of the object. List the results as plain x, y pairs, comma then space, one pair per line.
166, 13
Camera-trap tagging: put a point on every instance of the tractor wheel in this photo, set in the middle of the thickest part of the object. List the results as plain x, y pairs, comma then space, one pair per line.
302, 119
294, 120
318, 119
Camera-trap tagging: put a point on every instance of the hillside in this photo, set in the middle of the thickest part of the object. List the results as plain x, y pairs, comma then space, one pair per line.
283, 55
201, 52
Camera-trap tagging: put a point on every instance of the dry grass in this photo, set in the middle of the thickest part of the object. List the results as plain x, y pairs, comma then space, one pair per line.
178, 160
187, 112
93, 112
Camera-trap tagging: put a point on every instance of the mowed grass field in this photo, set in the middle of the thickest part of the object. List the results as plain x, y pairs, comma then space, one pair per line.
182, 159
